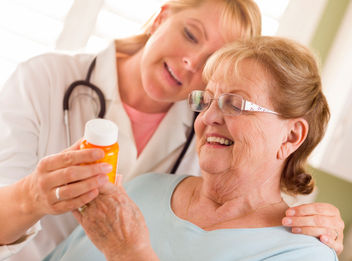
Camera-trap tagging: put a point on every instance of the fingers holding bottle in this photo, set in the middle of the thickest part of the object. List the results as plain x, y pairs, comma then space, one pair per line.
68, 180
99, 145
61, 182
78, 180
68, 158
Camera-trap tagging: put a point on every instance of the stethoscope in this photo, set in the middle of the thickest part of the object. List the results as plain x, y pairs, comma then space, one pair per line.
101, 114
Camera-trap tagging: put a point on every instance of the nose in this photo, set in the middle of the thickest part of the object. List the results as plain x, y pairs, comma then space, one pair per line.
193, 62
213, 115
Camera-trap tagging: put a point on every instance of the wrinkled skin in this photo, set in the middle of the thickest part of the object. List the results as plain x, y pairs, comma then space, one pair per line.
116, 226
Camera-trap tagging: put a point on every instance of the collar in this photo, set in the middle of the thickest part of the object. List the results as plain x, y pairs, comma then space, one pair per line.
181, 110
105, 72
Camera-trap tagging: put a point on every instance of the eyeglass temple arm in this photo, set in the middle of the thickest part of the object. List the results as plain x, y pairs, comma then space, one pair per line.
249, 106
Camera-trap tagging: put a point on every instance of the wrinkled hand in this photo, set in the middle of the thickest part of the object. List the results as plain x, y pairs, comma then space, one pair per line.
320, 220
116, 226
78, 183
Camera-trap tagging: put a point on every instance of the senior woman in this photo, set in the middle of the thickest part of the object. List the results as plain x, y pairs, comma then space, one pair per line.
261, 115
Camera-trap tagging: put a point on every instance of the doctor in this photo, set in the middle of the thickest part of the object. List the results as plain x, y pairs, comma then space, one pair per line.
145, 80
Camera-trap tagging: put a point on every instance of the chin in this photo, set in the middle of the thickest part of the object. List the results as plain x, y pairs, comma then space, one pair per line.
214, 166
160, 95
215, 162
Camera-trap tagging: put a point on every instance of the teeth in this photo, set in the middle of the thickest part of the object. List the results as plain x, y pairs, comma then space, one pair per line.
222, 141
173, 75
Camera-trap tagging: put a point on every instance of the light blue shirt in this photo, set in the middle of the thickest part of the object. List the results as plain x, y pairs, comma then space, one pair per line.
174, 239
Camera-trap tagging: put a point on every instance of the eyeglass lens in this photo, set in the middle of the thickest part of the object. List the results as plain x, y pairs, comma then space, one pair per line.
229, 104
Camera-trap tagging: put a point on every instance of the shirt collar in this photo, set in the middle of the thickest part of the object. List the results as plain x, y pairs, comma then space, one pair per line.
105, 72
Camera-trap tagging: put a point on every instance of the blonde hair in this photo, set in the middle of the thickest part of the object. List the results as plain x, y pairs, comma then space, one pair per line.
296, 92
244, 14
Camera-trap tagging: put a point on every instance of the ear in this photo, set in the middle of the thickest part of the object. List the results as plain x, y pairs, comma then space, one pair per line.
296, 135
160, 18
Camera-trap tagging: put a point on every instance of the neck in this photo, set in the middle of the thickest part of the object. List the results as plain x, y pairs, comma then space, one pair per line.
131, 87
240, 195
209, 204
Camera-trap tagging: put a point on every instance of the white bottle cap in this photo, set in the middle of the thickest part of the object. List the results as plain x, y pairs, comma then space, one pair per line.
101, 132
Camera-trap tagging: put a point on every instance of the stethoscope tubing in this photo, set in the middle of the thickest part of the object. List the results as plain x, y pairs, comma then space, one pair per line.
67, 95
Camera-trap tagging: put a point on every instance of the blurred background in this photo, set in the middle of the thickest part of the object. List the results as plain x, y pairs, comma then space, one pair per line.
31, 27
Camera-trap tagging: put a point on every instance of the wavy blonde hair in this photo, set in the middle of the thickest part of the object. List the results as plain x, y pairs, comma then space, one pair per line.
242, 13
296, 92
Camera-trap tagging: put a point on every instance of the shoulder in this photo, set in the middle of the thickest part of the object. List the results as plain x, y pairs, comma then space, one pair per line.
299, 247
47, 72
54, 63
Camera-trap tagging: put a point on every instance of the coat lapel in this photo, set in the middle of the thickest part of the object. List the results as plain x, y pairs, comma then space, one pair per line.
170, 136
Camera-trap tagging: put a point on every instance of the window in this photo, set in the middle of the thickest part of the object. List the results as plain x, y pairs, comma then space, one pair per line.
118, 20
28, 28
272, 11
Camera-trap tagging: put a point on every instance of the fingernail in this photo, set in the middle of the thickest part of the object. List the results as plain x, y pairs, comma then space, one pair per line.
98, 154
93, 193
325, 239
290, 212
102, 179
119, 178
296, 230
106, 168
287, 221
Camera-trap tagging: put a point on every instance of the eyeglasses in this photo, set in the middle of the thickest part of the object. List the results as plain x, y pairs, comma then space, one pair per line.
229, 104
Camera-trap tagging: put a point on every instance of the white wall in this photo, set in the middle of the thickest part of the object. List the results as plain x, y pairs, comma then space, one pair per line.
299, 22
301, 19
334, 153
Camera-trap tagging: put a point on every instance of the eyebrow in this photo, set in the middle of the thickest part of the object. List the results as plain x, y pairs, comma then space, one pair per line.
242, 93
200, 24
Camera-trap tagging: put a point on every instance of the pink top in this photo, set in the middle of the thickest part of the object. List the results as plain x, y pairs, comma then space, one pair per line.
143, 125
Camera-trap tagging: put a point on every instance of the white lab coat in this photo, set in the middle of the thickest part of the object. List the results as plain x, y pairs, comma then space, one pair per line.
32, 126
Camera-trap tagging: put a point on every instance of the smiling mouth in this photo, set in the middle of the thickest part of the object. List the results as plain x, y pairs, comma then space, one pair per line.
218, 140
171, 73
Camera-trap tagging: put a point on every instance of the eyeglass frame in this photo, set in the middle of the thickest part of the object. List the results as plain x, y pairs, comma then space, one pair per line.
246, 105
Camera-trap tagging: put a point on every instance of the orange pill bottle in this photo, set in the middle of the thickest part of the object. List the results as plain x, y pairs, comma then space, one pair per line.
103, 134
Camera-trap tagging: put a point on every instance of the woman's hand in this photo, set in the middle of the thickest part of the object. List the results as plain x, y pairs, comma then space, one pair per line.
63, 182
320, 220
116, 226
37, 194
